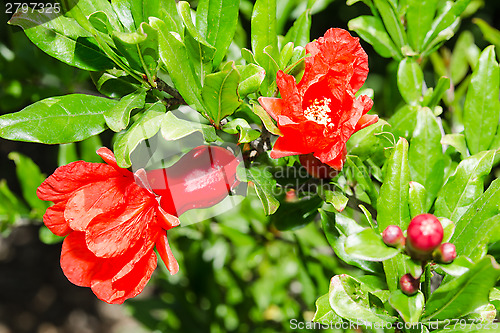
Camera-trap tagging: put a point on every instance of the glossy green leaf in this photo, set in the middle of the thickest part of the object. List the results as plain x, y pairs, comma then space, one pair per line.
482, 107
457, 141
295, 215
62, 38
465, 186
491, 34
417, 199
367, 141
251, 79
446, 18
123, 9
413, 267
410, 308
442, 86
217, 22
392, 23
403, 121
393, 206
478, 223
286, 55
220, 93
11, 207
448, 228
350, 300
241, 126
299, 32
266, 119
425, 156
362, 176
114, 85
459, 63
173, 54
419, 18
458, 267
337, 228
117, 117
265, 186
410, 81
263, 34
367, 245
324, 313
333, 197
60, 119
174, 128
372, 30
91, 6
464, 294
67, 154
30, 177
144, 128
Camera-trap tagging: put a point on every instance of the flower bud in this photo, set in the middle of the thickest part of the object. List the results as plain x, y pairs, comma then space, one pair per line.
424, 235
409, 285
316, 168
445, 253
393, 236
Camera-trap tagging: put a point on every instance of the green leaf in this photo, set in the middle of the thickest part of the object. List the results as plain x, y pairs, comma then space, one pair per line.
117, 118
266, 119
426, 157
491, 34
410, 81
299, 32
465, 186
174, 56
413, 267
367, 245
337, 228
448, 16
393, 206
458, 267
265, 186
62, 38
365, 142
333, 197
251, 79
217, 22
448, 228
392, 24
417, 199
220, 93
144, 128
482, 107
479, 222
174, 128
295, 215
404, 120
464, 294
11, 207
67, 154
60, 119
350, 299
242, 127
372, 30
362, 176
459, 63
419, 18
88, 149
324, 313
410, 308
441, 87
263, 34
457, 141
114, 85
30, 177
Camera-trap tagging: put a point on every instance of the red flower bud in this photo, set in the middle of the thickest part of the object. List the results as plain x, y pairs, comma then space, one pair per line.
200, 179
409, 285
393, 236
445, 253
316, 168
424, 235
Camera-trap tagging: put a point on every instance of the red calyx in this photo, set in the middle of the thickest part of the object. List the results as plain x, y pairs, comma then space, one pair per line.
409, 285
316, 168
393, 236
424, 235
445, 253
200, 179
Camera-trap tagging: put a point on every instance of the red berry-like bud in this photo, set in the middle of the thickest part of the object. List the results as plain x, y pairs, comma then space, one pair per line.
424, 235
409, 285
445, 253
393, 236
316, 168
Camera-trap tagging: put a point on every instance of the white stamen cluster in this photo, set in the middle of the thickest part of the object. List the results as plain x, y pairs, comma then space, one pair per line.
318, 111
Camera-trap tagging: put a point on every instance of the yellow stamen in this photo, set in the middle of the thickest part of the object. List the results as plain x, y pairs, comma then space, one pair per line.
318, 111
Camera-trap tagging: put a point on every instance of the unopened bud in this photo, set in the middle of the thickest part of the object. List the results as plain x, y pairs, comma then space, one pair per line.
393, 236
409, 285
424, 235
445, 253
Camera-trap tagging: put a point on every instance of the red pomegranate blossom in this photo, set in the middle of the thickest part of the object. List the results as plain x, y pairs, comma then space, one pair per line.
112, 227
320, 113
